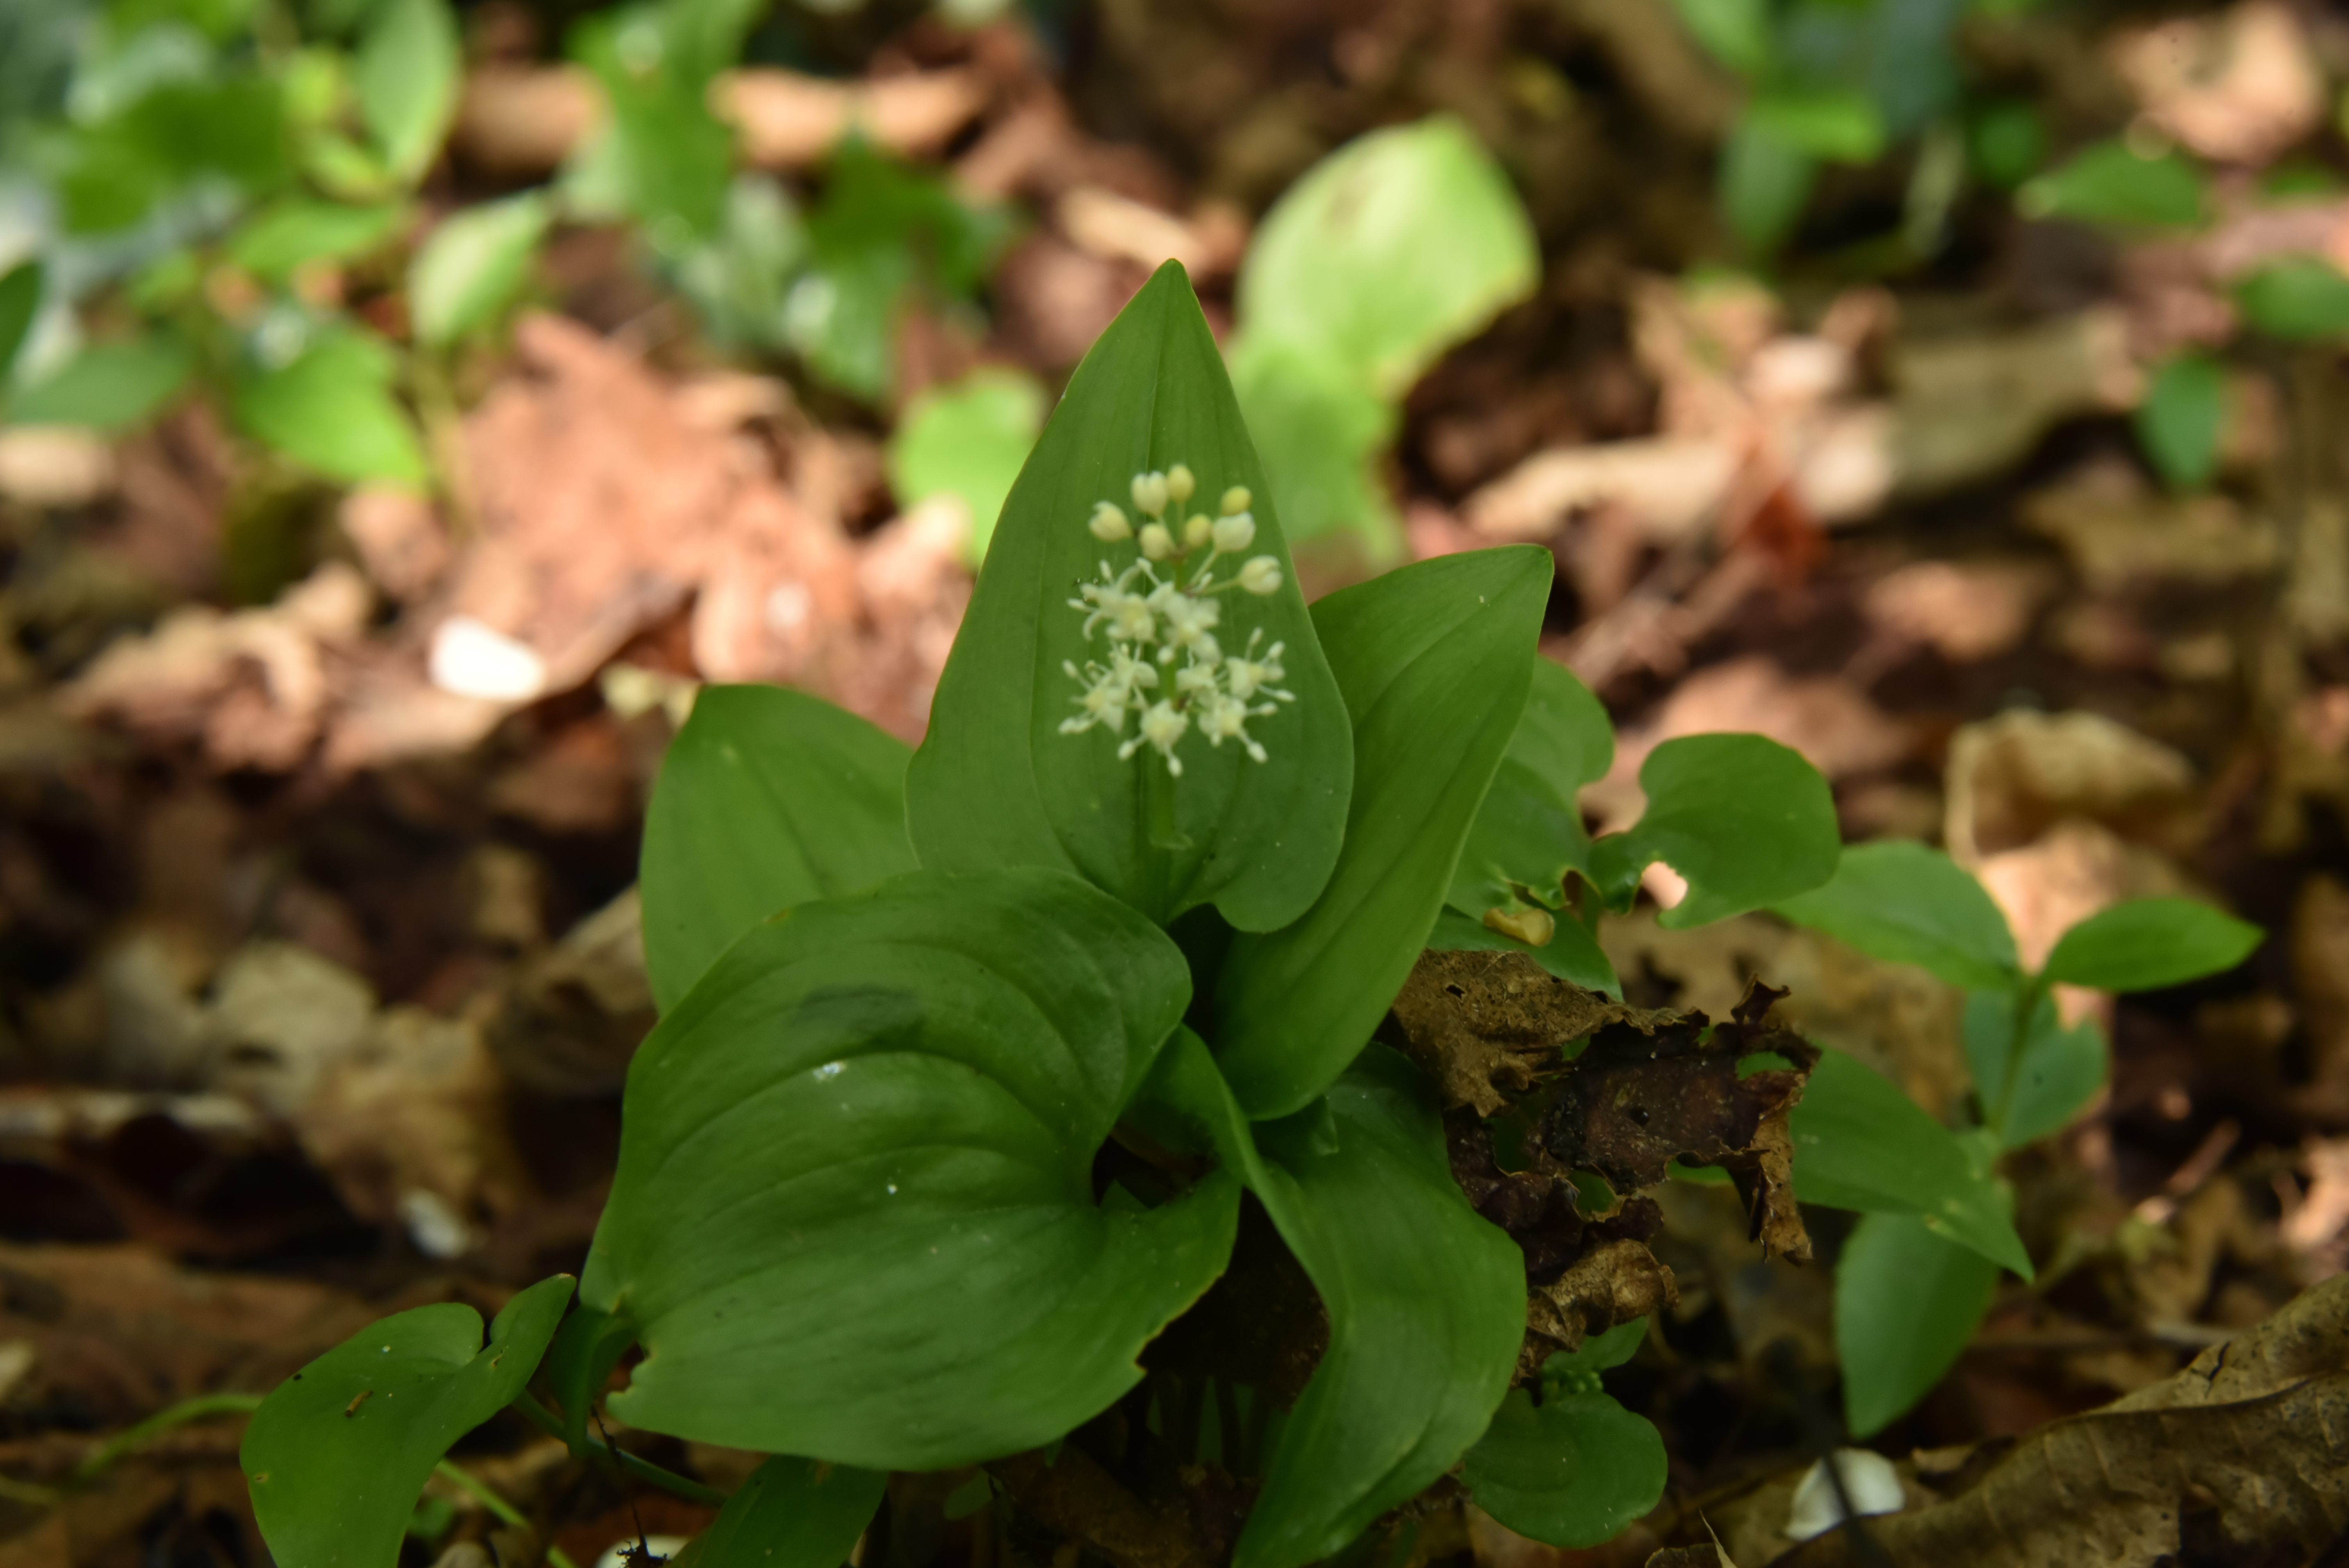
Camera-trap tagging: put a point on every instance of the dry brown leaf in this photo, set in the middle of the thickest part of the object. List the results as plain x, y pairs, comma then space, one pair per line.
1483, 1025
2238, 86
2013, 777
2115, 540
789, 120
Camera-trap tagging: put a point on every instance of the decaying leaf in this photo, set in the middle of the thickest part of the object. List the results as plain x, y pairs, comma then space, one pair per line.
1483, 1025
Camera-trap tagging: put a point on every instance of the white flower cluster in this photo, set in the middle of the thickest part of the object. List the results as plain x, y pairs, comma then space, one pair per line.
1153, 619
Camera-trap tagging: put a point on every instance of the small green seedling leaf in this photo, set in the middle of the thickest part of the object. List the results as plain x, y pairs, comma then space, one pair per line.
1765, 181
1830, 125
2056, 1074
968, 440
999, 781
1746, 819
1571, 953
1572, 1471
337, 1455
1528, 833
2179, 422
2298, 299
1735, 32
406, 74
791, 1513
2147, 944
767, 799
1321, 431
1906, 902
1434, 661
879, 1114
296, 232
109, 385
331, 409
2107, 183
1907, 1299
20, 301
473, 265
1860, 1143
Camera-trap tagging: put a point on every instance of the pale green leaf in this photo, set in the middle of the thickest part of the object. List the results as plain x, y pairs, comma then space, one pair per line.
331, 409
473, 265
1906, 1301
967, 439
2107, 183
297, 232
1906, 902
2030, 1094
107, 386
2149, 943
406, 73
2179, 420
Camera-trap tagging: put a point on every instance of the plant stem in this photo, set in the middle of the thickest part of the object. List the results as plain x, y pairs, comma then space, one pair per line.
155, 1426
643, 1469
2026, 1008
473, 1486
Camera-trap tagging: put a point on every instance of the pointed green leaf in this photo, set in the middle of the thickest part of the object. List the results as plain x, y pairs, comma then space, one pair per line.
1528, 834
2149, 943
1860, 1143
473, 265
791, 1513
2179, 420
2053, 1078
2108, 183
337, 1455
20, 301
1746, 819
879, 1114
1831, 124
968, 440
407, 74
998, 783
333, 410
1906, 1301
1433, 660
767, 798
109, 385
1765, 183
1906, 902
1572, 1471
298, 230
2298, 299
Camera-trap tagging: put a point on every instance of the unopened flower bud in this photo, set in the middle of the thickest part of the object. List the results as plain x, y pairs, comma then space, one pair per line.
1259, 576
1197, 531
1234, 532
1108, 524
1157, 544
1150, 493
1236, 499
1180, 484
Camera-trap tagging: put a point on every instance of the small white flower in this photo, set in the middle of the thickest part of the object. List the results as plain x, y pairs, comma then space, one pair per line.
1150, 493
1180, 484
1223, 718
1162, 726
1235, 499
1188, 620
1245, 676
1195, 680
1109, 525
1261, 576
1157, 544
1197, 531
1234, 532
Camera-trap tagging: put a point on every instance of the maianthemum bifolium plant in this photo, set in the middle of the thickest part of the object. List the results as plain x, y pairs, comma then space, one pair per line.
1170, 847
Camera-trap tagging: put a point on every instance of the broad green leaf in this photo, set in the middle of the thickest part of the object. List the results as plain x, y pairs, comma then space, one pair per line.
218, 125
2149, 943
1571, 953
579, 1364
968, 440
1433, 660
1860, 1143
2006, 141
2296, 299
2028, 1096
296, 232
2179, 422
1906, 1301
854, 1218
996, 782
791, 1513
1832, 125
1399, 244
1528, 834
1321, 431
1764, 181
337, 1455
1572, 1471
767, 799
406, 73
20, 301
1735, 32
473, 265
1746, 819
107, 386
2109, 184
331, 409
1425, 1299
1906, 902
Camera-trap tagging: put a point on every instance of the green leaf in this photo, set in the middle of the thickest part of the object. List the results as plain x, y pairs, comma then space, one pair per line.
2108, 184
853, 1216
1834, 126
1906, 902
1425, 1299
109, 385
2006, 141
331, 409
1528, 833
967, 439
294, 233
1746, 819
1765, 183
663, 158
791, 1513
767, 799
998, 783
1322, 432
2179, 422
1572, 1471
2297, 299
337, 1455
407, 74
1571, 953
2058, 1071
1387, 252
1860, 1143
1906, 1301
1433, 662
471, 265
2149, 943
579, 1364
1599, 1353
1735, 32
20, 301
